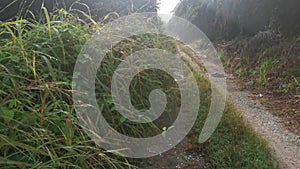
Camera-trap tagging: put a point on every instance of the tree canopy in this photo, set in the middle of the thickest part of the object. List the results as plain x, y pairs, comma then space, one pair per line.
97, 8
229, 18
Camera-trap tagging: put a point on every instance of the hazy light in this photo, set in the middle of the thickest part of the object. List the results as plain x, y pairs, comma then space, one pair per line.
167, 6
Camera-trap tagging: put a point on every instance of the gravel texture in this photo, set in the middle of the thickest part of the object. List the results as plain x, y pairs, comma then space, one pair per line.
284, 144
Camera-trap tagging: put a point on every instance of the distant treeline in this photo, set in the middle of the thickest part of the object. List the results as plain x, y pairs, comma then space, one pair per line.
230, 18
12, 9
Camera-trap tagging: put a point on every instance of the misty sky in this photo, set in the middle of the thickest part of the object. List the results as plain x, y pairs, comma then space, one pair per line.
166, 6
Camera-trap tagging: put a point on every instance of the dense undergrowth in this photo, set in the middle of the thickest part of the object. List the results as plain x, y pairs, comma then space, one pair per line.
227, 19
271, 70
259, 41
274, 67
38, 124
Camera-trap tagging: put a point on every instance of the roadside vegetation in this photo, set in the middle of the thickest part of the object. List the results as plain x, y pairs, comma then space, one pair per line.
234, 143
274, 74
38, 124
260, 47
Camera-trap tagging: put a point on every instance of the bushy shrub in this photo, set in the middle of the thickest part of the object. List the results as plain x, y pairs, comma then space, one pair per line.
230, 18
97, 8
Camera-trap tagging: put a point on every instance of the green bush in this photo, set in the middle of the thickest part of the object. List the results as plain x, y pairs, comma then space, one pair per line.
230, 18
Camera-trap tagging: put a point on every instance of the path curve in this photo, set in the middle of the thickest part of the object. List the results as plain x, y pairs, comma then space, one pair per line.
284, 144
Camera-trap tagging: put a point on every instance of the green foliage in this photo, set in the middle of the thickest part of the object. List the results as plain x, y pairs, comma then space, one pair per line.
141, 86
235, 145
38, 126
96, 9
230, 18
297, 85
294, 86
264, 69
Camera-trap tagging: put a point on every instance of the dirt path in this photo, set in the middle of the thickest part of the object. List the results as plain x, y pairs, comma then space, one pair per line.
183, 156
284, 144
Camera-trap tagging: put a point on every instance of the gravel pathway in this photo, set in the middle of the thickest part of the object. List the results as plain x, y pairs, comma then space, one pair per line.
284, 144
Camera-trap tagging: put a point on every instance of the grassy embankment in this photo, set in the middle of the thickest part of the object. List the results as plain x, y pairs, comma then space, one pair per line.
271, 69
38, 124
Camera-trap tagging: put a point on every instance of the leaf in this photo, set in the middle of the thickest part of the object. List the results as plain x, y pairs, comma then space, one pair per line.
15, 59
7, 141
14, 103
109, 15
122, 119
6, 114
47, 19
78, 48
11, 162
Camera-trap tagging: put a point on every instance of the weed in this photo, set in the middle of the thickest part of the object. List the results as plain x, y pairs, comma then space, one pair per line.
297, 85
264, 69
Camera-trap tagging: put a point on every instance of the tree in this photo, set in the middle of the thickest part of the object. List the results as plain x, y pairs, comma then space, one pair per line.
19, 8
230, 18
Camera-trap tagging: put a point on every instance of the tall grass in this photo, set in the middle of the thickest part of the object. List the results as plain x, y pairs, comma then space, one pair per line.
264, 69
234, 144
38, 124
